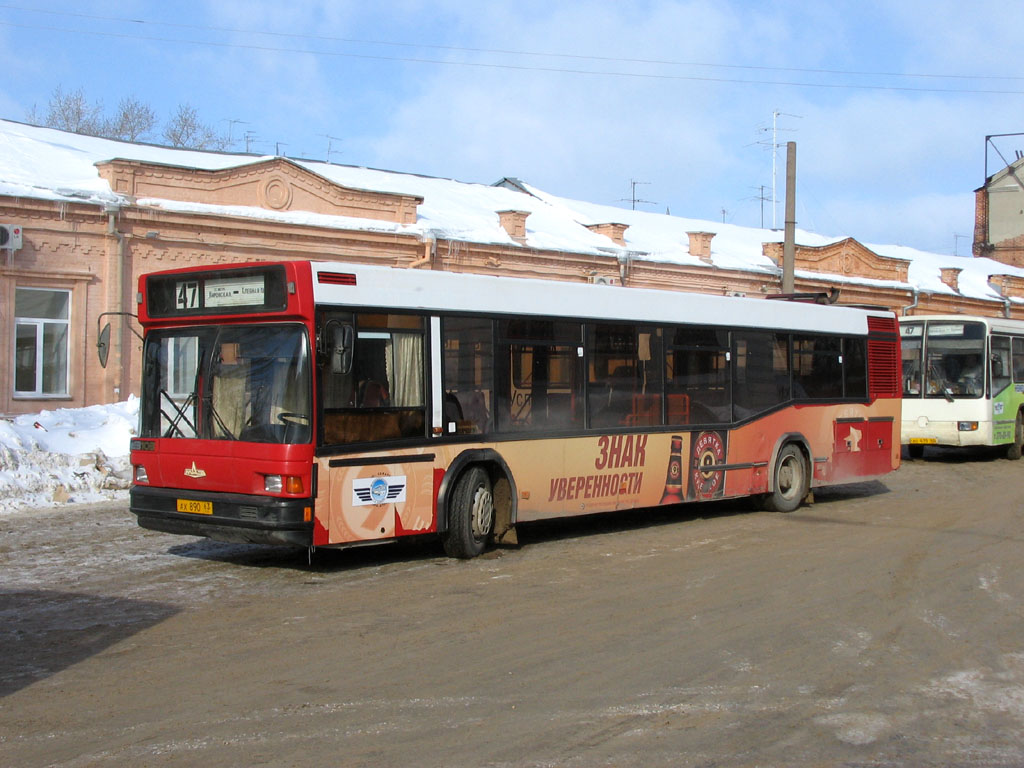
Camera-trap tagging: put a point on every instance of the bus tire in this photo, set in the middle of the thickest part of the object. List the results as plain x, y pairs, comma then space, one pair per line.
790, 480
1015, 449
470, 514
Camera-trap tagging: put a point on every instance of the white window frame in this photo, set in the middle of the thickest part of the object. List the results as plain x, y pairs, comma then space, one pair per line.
40, 324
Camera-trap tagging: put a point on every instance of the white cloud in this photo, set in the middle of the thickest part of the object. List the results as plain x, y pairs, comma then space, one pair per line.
688, 129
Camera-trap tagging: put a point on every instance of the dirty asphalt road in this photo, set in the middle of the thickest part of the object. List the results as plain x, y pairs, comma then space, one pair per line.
884, 625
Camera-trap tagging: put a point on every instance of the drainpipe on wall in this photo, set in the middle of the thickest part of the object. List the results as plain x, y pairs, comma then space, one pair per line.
428, 258
624, 263
112, 211
909, 307
1006, 308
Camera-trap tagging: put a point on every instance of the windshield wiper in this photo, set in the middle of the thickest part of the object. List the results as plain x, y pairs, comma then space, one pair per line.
173, 426
216, 417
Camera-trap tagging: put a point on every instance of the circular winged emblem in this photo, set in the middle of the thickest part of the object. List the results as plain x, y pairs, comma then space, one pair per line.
379, 490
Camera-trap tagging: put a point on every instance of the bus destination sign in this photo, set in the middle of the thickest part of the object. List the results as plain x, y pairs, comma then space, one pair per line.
235, 292
229, 291
249, 291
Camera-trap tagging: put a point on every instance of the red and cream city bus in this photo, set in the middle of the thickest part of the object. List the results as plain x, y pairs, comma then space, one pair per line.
330, 405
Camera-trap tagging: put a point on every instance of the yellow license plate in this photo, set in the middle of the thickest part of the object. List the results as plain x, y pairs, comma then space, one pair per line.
195, 507
923, 441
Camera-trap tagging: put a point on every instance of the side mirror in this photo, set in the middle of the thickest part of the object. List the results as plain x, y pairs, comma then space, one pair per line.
103, 336
342, 347
103, 345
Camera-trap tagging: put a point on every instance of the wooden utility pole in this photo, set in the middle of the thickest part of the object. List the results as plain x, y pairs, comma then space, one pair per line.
789, 237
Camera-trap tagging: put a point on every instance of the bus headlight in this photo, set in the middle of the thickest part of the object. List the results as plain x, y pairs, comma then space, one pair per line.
140, 474
282, 484
967, 426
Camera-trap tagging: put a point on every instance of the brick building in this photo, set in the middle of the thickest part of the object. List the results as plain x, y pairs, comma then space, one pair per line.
999, 216
94, 214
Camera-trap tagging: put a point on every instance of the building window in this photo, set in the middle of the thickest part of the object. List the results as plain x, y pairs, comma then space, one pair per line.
41, 342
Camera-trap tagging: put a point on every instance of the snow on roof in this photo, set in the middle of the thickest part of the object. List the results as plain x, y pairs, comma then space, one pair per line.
57, 165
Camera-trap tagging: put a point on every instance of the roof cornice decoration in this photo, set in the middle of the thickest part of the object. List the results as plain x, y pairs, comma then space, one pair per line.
846, 257
276, 184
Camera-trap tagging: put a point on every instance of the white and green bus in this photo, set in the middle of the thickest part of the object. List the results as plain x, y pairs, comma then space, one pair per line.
963, 382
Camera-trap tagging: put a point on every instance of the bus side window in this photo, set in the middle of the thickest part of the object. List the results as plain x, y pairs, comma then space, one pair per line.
624, 376
540, 384
760, 372
337, 340
697, 376
468, 344
1018, 359
817, 370
373, 387
855, 368
1000, 364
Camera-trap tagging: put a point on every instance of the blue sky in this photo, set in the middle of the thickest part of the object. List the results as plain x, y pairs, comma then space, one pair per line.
889, 102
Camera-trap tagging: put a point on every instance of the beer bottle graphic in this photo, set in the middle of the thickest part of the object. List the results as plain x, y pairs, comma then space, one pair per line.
674, 476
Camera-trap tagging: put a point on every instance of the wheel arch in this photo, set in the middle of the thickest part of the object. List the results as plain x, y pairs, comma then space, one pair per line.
506, 505
803, 444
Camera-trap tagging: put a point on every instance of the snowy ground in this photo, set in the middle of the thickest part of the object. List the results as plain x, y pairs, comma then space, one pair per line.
66, 455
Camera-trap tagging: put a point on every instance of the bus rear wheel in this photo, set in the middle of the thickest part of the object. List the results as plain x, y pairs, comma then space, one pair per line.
790, 481
470, 514
1015, 449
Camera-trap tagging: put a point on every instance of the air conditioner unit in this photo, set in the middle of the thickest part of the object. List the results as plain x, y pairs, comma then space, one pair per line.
602, 280
10, 237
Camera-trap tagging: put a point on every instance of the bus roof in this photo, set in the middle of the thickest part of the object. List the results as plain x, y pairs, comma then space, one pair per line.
995, 324
429, 290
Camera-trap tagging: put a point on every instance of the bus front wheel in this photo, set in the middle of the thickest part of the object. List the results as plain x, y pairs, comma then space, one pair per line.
470, 514
790, 480
1015, 449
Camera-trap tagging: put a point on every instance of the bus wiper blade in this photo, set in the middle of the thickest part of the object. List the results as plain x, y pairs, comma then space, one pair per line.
218, 419
173, 426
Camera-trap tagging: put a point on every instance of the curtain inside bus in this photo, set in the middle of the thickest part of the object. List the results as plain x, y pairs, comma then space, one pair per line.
379, 394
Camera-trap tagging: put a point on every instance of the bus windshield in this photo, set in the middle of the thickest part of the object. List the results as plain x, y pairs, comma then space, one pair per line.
948, 362
248, 383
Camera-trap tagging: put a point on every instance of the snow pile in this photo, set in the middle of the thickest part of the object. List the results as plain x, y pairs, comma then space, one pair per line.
66, 455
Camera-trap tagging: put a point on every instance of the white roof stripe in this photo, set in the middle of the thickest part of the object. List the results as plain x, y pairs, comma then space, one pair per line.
436, 291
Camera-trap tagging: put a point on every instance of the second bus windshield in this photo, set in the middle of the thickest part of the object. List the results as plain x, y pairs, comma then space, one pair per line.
947, 362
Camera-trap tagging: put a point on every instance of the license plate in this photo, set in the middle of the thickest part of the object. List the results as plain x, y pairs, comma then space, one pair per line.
195, 507
924, 441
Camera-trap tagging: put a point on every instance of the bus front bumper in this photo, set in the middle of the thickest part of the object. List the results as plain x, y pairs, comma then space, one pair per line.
932, 432
231, 517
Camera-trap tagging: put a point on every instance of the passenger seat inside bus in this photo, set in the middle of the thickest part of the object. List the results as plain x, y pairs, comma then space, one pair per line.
468, 410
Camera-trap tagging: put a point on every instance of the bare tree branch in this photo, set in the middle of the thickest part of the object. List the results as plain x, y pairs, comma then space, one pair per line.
186, 130
133, 120
72, 112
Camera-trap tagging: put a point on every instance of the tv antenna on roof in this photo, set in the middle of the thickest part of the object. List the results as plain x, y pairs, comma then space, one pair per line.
775, 165
330, 140
232, 122
633, 200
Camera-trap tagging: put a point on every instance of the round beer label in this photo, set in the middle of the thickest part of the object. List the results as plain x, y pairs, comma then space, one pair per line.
708, 451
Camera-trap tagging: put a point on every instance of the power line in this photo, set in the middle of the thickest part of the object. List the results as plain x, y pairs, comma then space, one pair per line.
504, 51
528, 68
